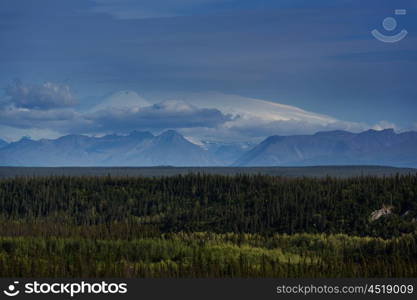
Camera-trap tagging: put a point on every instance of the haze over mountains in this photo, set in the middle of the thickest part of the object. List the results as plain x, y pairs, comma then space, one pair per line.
171, 148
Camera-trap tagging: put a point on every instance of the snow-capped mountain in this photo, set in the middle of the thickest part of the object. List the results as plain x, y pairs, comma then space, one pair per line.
122, 99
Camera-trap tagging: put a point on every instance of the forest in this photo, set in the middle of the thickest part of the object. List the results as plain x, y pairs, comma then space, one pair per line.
208, 226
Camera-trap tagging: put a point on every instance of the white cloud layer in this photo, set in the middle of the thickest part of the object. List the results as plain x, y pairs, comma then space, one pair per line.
44, 96
381, 125
255, 119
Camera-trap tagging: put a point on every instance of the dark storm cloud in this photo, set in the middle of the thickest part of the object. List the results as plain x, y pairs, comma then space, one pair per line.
39, 119
168, 114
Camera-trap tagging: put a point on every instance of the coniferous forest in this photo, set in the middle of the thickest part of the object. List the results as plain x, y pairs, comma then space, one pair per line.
201, 225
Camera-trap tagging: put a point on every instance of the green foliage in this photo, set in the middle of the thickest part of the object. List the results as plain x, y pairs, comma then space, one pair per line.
210, 255
252, 204
207, 226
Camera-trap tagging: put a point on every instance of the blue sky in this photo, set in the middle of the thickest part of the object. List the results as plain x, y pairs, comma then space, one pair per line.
315, 55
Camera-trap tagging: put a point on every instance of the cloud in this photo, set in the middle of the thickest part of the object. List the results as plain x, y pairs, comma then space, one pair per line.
24, 118
255, 129
11, 134
167, 114
381, 125
44, 96
254, 119
410, 127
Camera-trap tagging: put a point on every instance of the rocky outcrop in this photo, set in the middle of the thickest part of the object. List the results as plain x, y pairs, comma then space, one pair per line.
384, 211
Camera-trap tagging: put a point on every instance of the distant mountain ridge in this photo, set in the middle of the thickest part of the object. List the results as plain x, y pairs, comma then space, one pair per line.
335, 148
136, 149
170, 148
2, 143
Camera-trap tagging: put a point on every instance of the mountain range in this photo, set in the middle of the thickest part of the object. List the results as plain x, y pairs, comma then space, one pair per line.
141, 148
370, 147
2, 143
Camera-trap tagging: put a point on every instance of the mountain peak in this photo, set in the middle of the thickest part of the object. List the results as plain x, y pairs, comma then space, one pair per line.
388, 131
141, 148
272, 139
3, 143
73, 137
141, 134
25, 139
170, 134
334, 133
